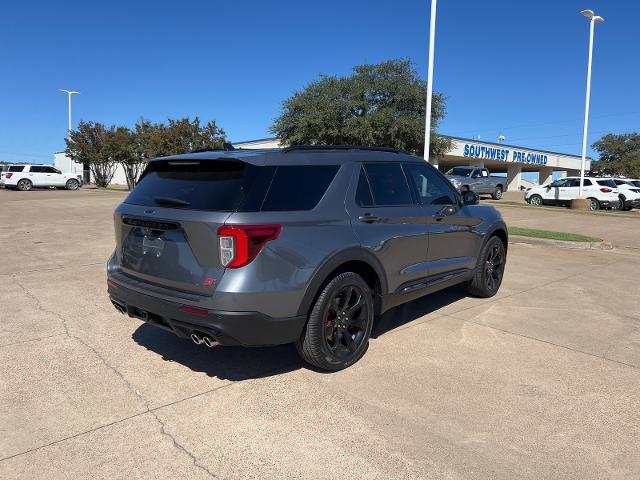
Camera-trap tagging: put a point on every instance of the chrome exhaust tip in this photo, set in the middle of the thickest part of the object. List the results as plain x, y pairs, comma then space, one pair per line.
208, 341
196, 338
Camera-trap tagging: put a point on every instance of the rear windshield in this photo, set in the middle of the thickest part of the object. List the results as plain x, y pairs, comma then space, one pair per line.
607, 183
231, 186
636, 182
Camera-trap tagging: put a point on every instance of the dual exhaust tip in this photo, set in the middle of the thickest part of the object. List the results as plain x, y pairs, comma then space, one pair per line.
200, 339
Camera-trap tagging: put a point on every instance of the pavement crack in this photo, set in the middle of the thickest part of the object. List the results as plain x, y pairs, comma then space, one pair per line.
127, 383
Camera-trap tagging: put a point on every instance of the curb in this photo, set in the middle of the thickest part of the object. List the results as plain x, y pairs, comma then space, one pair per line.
604, 245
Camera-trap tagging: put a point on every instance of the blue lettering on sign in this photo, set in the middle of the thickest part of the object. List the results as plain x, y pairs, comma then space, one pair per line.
502, 154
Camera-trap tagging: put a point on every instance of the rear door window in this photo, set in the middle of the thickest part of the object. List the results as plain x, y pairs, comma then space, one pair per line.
388, 184
298, 187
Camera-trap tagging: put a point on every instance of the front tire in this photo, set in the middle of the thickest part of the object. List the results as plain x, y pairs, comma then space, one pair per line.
497, 194
337, 333
24, 185
535, 200
489, 271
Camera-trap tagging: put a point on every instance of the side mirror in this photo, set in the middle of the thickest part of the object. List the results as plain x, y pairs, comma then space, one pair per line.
470, 198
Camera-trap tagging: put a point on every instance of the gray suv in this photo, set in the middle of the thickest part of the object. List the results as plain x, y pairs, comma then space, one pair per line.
302, 244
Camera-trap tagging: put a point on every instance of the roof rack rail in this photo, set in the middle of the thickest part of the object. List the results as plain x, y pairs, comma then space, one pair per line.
341, 147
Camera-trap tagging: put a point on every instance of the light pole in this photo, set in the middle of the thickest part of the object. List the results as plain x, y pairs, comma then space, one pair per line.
69, 93
432, 47
593, 19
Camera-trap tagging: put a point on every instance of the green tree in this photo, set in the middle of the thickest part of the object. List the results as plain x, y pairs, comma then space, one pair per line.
87, 145
122, 148
177, 136
378, 105
619, 155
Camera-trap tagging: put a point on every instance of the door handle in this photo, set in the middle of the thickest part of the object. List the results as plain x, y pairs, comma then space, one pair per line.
368, 218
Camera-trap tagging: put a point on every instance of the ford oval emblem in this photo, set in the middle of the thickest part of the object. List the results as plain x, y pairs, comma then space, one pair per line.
150, 211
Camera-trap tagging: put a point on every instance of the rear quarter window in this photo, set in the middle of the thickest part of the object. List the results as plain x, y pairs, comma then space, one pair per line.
298, 187
16, 168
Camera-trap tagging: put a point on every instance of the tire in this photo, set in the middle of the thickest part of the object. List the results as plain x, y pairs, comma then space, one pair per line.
497, 194
535, 200
331, 341
72, 184
489, 271
595, 204
24, 185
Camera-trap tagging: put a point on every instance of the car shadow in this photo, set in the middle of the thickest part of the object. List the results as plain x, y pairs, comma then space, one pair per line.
237, 363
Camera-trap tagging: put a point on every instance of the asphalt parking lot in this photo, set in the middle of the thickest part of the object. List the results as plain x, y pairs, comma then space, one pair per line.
541, 381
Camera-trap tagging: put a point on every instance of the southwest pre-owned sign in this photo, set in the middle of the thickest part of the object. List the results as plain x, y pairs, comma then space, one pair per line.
503, 154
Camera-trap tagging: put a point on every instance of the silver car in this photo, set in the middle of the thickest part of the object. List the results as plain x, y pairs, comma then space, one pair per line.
303, 244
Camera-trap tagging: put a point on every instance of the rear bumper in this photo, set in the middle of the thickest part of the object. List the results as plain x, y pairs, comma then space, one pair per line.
227, 328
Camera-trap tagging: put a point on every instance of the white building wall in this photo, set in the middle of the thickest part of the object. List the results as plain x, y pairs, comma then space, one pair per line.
63, 163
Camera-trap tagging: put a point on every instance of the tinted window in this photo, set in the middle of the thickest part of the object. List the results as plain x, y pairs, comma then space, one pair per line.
16, 168
460, 171
208, 185
573, 182
36, 169
636, 183
388, 184
298, 187
607, 183
363, 193
431, 189
587, 182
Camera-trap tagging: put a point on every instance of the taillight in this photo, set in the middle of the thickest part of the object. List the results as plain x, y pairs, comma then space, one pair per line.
605, 190
240, 244
8, 175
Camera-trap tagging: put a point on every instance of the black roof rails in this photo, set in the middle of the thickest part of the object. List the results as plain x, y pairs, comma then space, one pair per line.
226, 147
340, 147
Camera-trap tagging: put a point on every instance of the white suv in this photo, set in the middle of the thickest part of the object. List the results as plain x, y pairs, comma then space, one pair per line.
25, 177
603, 192
628, 192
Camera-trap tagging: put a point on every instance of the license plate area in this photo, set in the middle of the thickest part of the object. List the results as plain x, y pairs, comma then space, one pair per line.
152, 245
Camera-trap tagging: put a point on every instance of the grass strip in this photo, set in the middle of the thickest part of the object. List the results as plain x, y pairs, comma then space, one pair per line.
550, 235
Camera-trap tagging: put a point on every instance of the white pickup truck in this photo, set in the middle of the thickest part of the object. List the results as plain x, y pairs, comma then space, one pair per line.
27, 176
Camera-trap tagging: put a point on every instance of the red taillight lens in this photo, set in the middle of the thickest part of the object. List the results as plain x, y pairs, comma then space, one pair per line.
8, 175
240, 244
193, 310
605, 190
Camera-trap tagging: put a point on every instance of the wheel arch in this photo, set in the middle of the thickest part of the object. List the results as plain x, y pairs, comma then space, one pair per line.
356, 260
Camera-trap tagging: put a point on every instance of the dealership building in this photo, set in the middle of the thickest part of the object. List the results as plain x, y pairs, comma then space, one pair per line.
499, 158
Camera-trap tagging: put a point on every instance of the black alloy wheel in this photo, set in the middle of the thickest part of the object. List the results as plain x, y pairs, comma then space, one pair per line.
337, 333
489, 270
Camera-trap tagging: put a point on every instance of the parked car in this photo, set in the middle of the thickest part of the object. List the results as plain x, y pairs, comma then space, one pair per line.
477, 180
303, 244
628, 193
27, 176
602, 192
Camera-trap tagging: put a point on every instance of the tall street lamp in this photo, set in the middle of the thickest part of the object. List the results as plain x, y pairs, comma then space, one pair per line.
69, 93
432, 41
593, 19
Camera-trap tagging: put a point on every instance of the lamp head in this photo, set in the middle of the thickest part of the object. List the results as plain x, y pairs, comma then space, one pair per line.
592, 16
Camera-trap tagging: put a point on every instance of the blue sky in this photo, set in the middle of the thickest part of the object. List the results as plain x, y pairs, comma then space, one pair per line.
516, 67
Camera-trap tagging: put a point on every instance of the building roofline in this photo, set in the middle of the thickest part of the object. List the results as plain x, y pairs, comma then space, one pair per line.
453, 138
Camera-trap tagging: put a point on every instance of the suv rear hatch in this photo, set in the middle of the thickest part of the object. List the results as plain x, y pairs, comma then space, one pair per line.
167, 228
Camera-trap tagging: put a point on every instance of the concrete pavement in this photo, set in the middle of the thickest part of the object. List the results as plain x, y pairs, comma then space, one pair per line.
539, 382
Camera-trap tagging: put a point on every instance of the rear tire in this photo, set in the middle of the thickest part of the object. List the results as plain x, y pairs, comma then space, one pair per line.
72, 184
535, 200
489, 271
595, 204
337, 333
497, 194
24, 185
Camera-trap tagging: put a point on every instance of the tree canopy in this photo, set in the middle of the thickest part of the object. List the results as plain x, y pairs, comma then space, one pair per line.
104, 148
378, 105
619, 155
